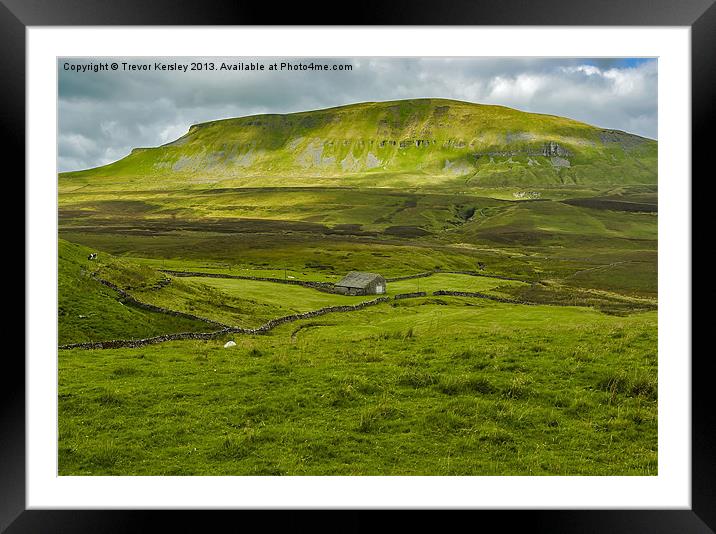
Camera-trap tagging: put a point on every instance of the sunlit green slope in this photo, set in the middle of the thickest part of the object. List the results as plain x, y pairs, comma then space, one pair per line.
436, 140
90, 311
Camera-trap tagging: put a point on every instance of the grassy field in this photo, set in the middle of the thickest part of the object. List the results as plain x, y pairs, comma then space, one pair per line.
300, 299
434, 385
89, 311
442, 387
563, 385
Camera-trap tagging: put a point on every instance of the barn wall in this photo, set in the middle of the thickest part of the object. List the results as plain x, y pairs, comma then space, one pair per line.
370, 289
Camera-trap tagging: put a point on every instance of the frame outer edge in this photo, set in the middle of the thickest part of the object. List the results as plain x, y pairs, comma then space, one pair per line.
703, 443
12, 63
12, 393
372, 12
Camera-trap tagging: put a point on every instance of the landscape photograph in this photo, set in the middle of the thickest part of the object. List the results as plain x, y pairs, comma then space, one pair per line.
357, 266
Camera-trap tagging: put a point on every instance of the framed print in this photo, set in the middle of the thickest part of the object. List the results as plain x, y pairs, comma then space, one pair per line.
438, 261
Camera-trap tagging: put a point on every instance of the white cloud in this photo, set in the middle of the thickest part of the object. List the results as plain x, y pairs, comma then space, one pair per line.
521, 88
76, 145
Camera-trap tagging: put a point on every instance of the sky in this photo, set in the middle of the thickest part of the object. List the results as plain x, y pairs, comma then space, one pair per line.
104, 114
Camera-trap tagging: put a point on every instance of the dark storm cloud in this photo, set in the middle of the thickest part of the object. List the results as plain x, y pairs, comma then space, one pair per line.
103, 115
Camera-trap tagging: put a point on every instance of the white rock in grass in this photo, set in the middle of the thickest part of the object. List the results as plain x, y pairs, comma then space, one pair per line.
229, 344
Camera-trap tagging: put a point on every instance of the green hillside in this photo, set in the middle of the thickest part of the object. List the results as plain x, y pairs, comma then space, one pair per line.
416, 142
90, 311
526, 345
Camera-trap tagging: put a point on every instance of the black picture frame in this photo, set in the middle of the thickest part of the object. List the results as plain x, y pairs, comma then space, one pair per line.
699, 15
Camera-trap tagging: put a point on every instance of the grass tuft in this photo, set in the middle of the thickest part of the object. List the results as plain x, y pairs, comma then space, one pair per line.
465, 384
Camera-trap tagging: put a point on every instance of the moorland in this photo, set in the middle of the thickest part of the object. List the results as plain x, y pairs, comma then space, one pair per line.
524, 245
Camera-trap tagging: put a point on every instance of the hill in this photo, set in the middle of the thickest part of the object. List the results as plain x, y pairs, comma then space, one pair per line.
391, 143
90, 311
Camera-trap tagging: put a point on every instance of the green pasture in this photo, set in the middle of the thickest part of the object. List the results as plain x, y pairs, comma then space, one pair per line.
296, 299
89, 311
431, 387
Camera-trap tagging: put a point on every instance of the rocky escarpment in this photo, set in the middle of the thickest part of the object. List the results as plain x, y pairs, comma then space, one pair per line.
437, 137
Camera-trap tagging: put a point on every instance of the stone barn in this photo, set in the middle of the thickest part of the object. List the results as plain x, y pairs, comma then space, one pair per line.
359, 283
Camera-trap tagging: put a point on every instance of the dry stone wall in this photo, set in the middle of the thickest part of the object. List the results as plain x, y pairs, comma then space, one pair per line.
151, 307
266, 327
431, 273
415, 294
273, 323
326, 287
134, 343
410, 277
480, 295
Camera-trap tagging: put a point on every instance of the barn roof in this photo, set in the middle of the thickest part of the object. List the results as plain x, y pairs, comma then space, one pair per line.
358, 279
